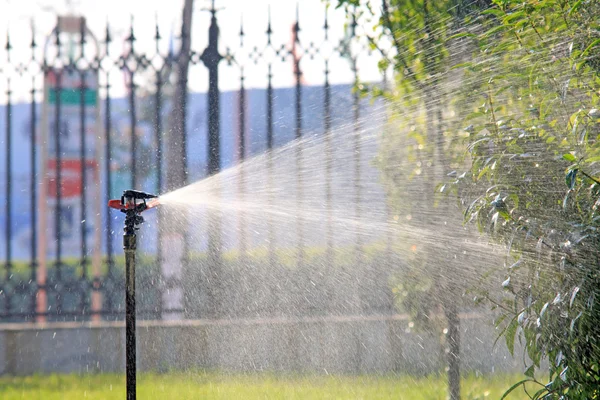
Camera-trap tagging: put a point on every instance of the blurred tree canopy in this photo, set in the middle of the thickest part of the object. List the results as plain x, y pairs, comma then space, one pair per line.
498, 104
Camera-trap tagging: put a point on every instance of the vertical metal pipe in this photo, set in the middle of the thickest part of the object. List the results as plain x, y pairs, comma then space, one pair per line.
82, 156
129, 246
211, 59
33, 193
185, 257
159, 173
82, 160
270, 110
242, 116
58, 184
299, 147
159, 183
158, 137
328, 165
133, 127
108, 177
41, 206
242, 154
271, 200
107, 171
132, 112
8, 209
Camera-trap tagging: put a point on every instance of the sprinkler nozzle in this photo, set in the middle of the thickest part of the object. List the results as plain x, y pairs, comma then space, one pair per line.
133, 203
134, 200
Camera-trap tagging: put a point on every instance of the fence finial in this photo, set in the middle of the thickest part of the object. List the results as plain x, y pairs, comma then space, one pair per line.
157, 32
297, 24
326, 25
269, 30
8, 46
33, 44
131, 37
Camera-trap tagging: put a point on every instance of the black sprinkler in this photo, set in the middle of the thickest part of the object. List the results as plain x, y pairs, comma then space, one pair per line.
132, 203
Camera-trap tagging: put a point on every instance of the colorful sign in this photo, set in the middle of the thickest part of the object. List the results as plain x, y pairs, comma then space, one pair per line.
78, 114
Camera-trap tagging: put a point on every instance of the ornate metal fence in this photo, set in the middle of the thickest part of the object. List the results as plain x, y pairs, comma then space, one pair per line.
84, 145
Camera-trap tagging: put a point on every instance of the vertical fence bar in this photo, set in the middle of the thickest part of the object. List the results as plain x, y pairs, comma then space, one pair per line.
242, 155
107, 170
131, 63
270, 167
211, 58
271, 200
33, 194
82, 156
328, 155
183, 82
8, 209
133, 119
159, 166
298, 131
33, 188
58, 177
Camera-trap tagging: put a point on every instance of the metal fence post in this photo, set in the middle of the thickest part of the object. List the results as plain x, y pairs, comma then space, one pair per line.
67, 279
211, 58
58, 177
8, 210
298, 131
158, 137
110, 263
82, 155
33, 189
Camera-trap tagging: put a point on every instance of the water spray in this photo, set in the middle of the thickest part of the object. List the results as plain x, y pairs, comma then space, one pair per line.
132, 203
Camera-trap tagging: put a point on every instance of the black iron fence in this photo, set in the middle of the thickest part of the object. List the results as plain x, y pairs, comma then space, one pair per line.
75, 144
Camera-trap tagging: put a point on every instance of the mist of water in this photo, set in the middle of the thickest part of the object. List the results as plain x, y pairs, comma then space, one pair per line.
309, 228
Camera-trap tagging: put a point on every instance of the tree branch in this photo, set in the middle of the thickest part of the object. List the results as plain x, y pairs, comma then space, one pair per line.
385, 13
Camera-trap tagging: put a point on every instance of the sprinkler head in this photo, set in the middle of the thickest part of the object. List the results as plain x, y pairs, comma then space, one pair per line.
133, 203
134, 200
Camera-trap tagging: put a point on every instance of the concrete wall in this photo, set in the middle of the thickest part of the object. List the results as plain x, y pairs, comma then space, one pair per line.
332, 345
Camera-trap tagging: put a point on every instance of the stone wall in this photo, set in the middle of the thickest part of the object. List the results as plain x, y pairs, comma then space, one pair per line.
328, 345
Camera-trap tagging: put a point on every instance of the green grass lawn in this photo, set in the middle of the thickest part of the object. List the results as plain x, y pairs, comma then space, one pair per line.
203, 385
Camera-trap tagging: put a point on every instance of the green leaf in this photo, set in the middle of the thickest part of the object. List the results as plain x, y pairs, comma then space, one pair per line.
513, 387
587, 49
530, 371
569, 157
509, 335
493, 11
575, 7
539, 393
461, 35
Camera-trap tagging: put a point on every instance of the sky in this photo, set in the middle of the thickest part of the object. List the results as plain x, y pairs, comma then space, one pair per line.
16, 17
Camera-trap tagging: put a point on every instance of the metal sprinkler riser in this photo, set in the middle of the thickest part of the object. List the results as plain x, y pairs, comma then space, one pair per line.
132, 203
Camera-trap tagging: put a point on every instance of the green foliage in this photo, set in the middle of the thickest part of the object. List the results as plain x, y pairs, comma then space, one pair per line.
533, 154
514, 92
